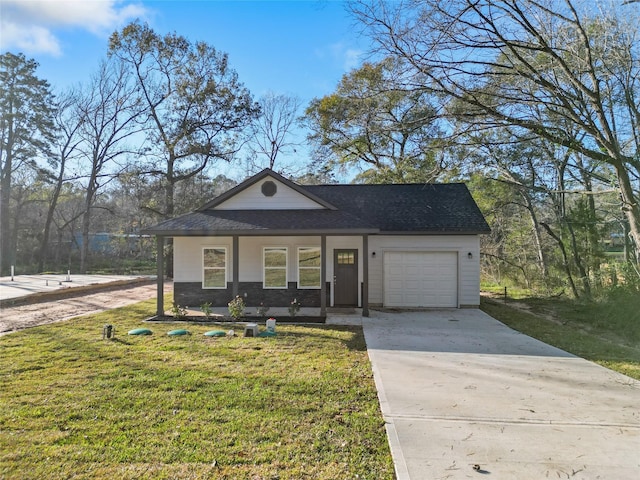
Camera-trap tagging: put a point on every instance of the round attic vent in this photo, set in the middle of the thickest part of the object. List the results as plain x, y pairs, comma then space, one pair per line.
269, 189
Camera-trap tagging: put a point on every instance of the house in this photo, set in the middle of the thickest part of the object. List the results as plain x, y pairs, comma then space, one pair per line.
272, 240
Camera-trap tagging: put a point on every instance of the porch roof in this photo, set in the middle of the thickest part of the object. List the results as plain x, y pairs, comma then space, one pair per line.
263, 222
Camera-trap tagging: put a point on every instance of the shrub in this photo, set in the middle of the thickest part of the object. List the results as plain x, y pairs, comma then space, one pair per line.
294, 307
236, 308
206, 309
178, 311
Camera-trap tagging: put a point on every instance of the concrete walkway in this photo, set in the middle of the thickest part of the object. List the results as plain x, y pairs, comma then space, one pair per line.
21, 286
464, 396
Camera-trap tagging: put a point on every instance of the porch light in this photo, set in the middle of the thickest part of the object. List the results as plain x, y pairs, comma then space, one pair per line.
470, 255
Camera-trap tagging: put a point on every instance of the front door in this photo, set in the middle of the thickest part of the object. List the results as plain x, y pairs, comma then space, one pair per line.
345, 278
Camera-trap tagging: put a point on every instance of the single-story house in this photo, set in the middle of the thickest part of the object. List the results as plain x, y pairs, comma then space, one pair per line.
271, 240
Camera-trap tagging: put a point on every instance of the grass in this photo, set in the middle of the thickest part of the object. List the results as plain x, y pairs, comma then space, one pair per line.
301, 405
606, 332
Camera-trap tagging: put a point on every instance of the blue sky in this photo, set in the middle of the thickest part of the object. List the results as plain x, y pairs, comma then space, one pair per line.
295, 47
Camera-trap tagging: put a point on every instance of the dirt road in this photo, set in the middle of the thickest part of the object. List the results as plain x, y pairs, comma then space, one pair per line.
31, 315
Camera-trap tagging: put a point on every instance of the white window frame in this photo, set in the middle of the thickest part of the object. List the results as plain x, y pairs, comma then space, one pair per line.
319, 267
285, 268
204, 267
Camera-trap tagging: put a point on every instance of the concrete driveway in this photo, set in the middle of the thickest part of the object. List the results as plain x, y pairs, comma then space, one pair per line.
464, 396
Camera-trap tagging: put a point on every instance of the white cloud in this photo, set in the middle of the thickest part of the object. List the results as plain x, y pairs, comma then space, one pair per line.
349, 58
29, 25
28, 38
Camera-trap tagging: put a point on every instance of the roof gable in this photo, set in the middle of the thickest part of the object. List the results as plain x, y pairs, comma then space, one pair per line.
267, 191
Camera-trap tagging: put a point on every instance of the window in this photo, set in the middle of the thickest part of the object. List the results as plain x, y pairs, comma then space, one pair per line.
275, 267
346, 258
214, 261
309, 267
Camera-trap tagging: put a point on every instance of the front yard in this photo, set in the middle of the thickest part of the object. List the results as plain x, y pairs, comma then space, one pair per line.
299, 405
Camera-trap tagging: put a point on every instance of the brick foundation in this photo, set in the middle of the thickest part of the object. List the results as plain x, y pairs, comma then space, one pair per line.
192, 294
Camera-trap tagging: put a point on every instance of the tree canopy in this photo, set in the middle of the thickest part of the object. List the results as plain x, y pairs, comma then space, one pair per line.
27, 109
559, 70
372, 123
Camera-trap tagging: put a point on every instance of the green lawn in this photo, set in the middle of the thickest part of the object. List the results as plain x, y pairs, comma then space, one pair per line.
605, 332
301, 405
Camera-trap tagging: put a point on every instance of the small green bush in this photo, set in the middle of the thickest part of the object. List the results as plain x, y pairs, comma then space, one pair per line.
236, 308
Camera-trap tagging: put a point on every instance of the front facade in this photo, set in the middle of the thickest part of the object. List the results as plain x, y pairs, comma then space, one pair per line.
272, 241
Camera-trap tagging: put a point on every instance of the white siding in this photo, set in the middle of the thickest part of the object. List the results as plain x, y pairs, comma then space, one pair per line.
251, 255
252, 198
468, 268
187, 257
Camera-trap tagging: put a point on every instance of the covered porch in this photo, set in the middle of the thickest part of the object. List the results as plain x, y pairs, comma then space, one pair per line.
241, 268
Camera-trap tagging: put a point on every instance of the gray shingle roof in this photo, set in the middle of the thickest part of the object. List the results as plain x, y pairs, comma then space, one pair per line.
359, 209
432, 208
256, 222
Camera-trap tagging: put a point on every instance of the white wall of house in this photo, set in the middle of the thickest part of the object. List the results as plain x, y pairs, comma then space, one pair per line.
251, 249
252, 198
188, 258
468, 268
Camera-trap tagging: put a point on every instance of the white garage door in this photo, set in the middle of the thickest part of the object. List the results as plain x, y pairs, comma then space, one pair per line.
420, 279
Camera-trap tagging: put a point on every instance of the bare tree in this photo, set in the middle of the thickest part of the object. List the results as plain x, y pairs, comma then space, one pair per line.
108, 112
528, 64
68, 124
196, 107
273, 130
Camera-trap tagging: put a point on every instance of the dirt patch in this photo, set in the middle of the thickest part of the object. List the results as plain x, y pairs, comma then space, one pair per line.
41, 313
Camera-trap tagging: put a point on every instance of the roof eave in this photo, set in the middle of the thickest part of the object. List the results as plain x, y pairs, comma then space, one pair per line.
262, 232
435, 232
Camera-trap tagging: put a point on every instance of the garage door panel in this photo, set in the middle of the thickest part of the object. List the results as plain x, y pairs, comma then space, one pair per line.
421, 279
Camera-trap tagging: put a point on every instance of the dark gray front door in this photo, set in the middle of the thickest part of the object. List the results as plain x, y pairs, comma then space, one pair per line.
345, 278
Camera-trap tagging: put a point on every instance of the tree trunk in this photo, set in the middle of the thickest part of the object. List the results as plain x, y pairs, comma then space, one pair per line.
7, 255
86, 222
542, 261
565, 259
43, 252
631, 209
577, 258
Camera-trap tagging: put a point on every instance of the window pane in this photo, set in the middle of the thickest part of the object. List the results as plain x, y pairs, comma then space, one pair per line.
275, 257
309, 257
214, 257
346, 258
275, 278
214, 277
309, 277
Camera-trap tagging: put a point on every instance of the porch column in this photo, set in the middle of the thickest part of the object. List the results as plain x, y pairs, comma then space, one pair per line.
365, 275
160, 275
323, 275
236, 267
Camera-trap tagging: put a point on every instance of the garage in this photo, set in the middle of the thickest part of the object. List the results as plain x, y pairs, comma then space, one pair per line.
421, 279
